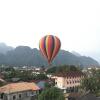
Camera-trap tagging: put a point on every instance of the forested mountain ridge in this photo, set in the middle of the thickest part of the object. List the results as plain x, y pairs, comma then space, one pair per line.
24, 55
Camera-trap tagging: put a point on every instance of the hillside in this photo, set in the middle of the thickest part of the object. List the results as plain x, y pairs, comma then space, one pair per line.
4, 48
24, 55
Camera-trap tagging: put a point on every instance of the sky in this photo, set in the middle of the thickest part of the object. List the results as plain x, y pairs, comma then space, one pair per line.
75, 22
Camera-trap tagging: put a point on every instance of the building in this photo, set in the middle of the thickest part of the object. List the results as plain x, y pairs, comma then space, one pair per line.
19, 91
69, 81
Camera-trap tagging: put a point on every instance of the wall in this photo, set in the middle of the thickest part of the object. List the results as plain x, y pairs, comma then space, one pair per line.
26, 95
67, 82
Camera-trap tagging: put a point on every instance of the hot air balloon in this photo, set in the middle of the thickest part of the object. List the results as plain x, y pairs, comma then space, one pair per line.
49, 46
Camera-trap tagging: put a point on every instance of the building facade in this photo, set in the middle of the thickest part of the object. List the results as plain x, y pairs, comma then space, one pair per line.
19, 91
68, 82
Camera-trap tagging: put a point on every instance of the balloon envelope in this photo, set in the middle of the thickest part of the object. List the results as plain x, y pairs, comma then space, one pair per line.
49, 46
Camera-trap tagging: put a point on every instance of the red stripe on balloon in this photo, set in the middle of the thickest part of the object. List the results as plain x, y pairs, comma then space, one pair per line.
57, 45
42, 46
49, 44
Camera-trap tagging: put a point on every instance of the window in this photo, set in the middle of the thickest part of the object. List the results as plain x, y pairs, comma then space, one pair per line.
67, 82
25, 94
2, 94
14, 97
33, 92
78, 81
20, 96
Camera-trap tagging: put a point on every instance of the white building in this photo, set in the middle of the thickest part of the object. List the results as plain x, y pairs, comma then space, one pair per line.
69, 81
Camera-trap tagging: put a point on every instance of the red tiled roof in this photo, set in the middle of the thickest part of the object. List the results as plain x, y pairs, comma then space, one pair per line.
70, 74
18, 87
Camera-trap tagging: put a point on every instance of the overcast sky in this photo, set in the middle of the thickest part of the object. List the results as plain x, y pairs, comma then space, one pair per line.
75, 22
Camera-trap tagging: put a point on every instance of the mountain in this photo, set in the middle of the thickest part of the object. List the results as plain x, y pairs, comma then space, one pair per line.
75, 53
65, 57
24, 55
4, 48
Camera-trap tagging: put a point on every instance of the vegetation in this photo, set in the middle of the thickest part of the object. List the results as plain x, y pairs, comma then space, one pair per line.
23, 75
2, 83
63, 68
51, 94
47, 85
92, 83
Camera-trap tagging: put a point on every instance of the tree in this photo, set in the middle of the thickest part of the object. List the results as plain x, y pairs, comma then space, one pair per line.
63, 68
2, 83
92, 83
51, 94
51, 70
47, 85
41, 77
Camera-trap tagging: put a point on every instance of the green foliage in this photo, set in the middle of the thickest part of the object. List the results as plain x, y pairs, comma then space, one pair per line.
63, 68
47, 85
92, 84
2, 83
41, 77
51, 94
9, 69
23, 75
52, 70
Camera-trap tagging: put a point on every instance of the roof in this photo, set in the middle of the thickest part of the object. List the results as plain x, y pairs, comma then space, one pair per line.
18, 87
41, 84
70, 74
